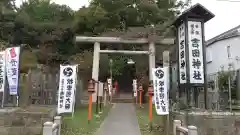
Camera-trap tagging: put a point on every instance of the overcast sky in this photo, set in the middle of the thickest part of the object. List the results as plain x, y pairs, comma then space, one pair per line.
226, 14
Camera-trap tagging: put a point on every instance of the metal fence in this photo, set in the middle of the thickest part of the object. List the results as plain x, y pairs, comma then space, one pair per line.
218, 94
37, 88
221, 90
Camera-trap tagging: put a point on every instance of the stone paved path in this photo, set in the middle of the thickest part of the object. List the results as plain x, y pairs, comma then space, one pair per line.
121, 120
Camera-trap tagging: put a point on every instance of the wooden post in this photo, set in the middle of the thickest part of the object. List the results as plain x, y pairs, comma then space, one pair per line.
150, 111
90, 108
91, 89
166, 64
140, 95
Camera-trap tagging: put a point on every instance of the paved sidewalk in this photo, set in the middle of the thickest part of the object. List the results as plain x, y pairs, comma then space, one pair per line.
121, 120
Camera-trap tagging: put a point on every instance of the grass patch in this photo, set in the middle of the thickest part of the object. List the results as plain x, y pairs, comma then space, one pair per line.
79, 124
143, 121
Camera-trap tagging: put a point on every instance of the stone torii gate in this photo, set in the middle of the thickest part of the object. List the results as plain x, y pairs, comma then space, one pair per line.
96, 54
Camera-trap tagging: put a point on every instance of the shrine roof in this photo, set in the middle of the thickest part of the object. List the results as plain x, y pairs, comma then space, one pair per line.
234, 32
197, 11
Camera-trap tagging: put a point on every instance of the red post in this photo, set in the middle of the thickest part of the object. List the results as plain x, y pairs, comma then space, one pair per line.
91, 89
140, 94
116, 88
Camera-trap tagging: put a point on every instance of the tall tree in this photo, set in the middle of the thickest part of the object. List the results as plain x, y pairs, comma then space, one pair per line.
47, 27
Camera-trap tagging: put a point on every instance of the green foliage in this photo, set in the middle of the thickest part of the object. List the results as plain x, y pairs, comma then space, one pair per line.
49, 29
118, 63
223, 82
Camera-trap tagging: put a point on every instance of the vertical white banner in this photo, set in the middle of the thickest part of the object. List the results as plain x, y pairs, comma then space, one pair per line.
67, 88
2, 70
182, 54
12, 67
135, 88
196, 71
160, 80
109, 86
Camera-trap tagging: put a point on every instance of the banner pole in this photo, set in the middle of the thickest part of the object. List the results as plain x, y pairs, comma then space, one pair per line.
2, 99
19, 76
3, 93
74, 98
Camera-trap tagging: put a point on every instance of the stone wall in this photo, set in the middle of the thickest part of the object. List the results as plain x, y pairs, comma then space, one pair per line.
25, 122
211, 123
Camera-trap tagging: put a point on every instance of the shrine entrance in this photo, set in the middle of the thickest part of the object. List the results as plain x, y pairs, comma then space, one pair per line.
116, 40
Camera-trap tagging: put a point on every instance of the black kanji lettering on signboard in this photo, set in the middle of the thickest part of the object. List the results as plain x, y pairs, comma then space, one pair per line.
183, 76
67, 106
161, 95
14, 71
164, 108
158, 107
159, 74
68, 94
183, 63
61, 93
161, 83
70, 81
192, 31
197, 32
182, 44
13, 62
61, 105
1, 80
182, 54
195, 42
69, 87
197, 75
182, 34
68, 71
195, 53
161, 89
196, 63
68, 100
162, 102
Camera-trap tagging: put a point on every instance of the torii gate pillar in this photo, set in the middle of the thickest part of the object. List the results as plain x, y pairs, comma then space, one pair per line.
152, 63
95, 67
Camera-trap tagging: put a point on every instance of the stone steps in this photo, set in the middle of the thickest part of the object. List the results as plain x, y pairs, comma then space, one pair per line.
123, 100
